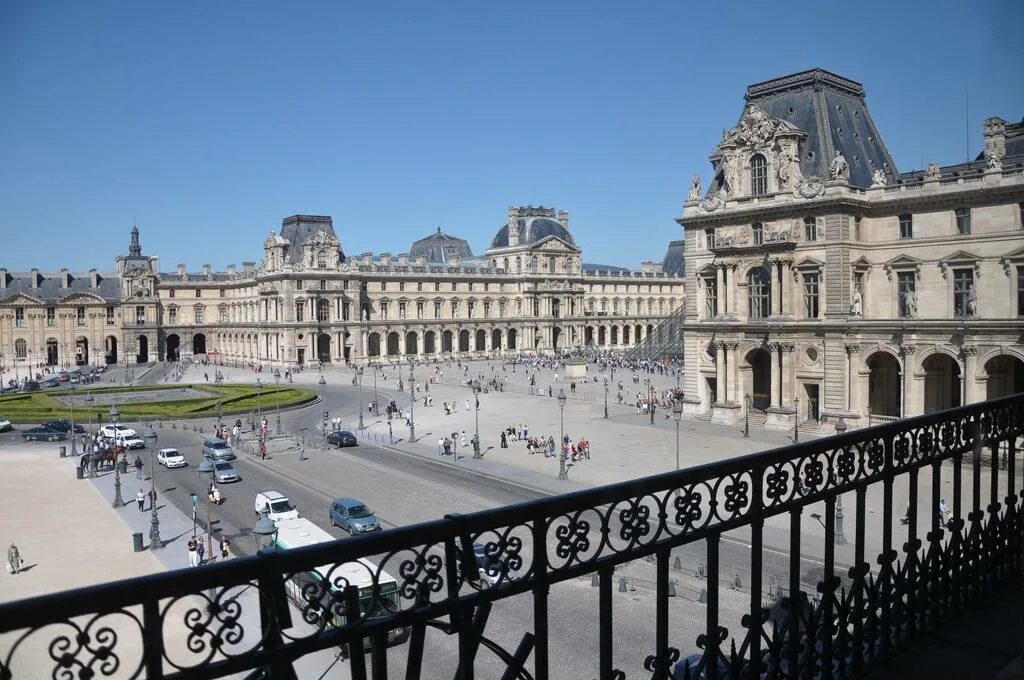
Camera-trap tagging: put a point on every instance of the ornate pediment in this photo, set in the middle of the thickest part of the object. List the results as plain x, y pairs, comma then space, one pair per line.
322, 239
960, 258
553, 244
1012, 258
81, 297
758, 130
905, 263
21, 299
274, 240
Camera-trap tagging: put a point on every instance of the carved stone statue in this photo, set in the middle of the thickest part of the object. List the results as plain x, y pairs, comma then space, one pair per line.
910, 303
933, 171
994, 161
972, 301
783, 161
366, 315
694, 194
879, 178
857, 305
839, 168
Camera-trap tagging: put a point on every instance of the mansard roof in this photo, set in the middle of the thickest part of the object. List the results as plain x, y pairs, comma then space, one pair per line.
296, 229
48, 286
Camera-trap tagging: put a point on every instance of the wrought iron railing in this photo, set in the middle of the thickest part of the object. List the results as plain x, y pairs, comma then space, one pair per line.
235, 617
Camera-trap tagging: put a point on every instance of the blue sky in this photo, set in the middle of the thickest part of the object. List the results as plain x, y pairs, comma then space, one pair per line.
207, 123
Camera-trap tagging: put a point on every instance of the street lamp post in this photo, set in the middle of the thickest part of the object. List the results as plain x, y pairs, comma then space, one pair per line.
476, 436
265, 531
562, 473
74, 449
412, 403
154, 522
796, 420
677, 413
359, 378
88, 404
606, 398
840, 536
259, 412
115, 415
323, 396
650, 384
277, 388
195, 500
376, 411
746, 416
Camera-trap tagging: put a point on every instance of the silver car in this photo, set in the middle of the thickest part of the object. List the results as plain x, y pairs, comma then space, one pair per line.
217, 449
224, 471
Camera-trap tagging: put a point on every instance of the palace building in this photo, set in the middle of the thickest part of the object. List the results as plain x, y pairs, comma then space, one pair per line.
824, 284
307, 301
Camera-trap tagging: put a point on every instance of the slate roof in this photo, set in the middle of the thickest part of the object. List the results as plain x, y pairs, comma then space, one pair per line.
440, 248
673, 263
533, 230
592, 268
297, 228
49, 290
832, 111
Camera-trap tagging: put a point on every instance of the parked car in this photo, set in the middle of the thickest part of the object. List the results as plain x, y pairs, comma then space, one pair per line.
63, 377
52, 382
114, 431
5, 424
9, 389
224, 471
170, 458
342, 438
64, 426
278, 505
43, 434
491, 569
130, 442
217, 449
353, 516
30, 386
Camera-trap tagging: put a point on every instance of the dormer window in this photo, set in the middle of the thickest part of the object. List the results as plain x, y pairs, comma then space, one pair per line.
758, 175
321, 260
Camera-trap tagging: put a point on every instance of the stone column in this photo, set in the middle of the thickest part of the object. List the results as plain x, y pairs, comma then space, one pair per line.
776, 289
774, 400
720, 361
973, 390
731, 287
786, 288
788, 377
853, 397
731, 373
720, 294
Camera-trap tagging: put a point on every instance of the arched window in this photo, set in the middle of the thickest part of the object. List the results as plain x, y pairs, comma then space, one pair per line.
321, 260
758, 175
20, 349
759, 284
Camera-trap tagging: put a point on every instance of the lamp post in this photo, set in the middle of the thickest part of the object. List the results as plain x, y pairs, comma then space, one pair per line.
376, 411
154, 522
322, 383
562, 473
74, 449
195, 500
412, 403
476, 439
606, 398
265, 531
677, 413
840, 536
796, 420
205, 468
259, 412
89, 402
277, 388
359, 379
115, 415
746, 416
650, 384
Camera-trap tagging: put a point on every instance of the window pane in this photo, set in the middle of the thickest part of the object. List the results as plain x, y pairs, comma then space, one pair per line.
810, 229
907, 293
760, 293
758, 175
811, 295
906, 226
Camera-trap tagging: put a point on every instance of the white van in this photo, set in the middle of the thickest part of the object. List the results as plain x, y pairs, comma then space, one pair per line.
277, 503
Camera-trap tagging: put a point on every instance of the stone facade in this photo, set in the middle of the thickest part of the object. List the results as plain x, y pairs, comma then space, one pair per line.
859, 292
307, 302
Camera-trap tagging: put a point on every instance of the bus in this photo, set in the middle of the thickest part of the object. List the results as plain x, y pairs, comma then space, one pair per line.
319, 583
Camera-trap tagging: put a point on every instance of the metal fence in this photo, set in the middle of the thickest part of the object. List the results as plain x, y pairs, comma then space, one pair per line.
854, 621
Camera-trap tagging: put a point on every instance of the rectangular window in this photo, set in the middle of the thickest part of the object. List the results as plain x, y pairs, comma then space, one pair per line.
323, 310
401, 310
419, 310
437, 309
963, 221
172, 315
80, 315
19, 316
170, 293
963, 293
906, 289
384, 310
199, 292
471, 307
51, 314
222, 291
760, 292
811, 295
110, 316
383, 285
323, 284
419, 286
300, 311
709, 236
486, 286
487, 308
470, 286
199, 314
1020, 291
710, 297
298, 285
401, 285
810, 229
140, 316
223, 314
437, 286
906, 226
758, 229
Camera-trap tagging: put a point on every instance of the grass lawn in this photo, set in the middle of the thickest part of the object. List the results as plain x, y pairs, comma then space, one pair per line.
35, 407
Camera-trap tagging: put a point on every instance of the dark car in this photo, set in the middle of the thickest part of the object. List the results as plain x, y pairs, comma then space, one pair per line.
52, 382
43, 434
30, 386
342, 438
62, 425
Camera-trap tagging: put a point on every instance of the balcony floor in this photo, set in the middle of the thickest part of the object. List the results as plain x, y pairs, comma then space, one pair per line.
977, 646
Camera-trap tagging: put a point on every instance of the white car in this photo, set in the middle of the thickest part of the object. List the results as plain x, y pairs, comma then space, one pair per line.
170, 458
129, 442
114, 431
277, 505
5, 424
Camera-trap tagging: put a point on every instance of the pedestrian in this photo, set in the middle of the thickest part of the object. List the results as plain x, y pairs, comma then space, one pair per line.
302, 453
225, 548
943, 511
138, 468
193, 556
200, 551
504, 441
440, 446
13, 559
467, 404
141, 498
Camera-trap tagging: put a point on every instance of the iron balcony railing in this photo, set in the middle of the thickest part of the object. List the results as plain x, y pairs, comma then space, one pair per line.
908, 573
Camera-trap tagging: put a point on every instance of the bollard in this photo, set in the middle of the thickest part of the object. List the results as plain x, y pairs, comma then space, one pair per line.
677, 563
736, 582
79, 472
595, 580
703, 598
64, 450
622, 584
174, 426
672, 588
700, 573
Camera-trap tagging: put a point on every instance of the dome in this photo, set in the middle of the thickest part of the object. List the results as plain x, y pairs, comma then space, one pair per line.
531, 230
441, 247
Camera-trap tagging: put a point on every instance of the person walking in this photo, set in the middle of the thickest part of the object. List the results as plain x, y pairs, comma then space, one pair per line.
193, 556
225, 548
141, 498
138, 468
13, 559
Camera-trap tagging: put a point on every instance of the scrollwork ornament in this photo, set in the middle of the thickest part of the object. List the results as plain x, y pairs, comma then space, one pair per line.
809, 187
572, 538
635, 522
712, 202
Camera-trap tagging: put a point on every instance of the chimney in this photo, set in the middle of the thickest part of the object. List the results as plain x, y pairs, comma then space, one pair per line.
385, 259
231, 270
3, 277
248, 267
94, 279
421, 260
65, 278
35, 278
563, 219
181, 271
403, 259
994, 130
454, 260
207, 269
513, 229
367, 259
